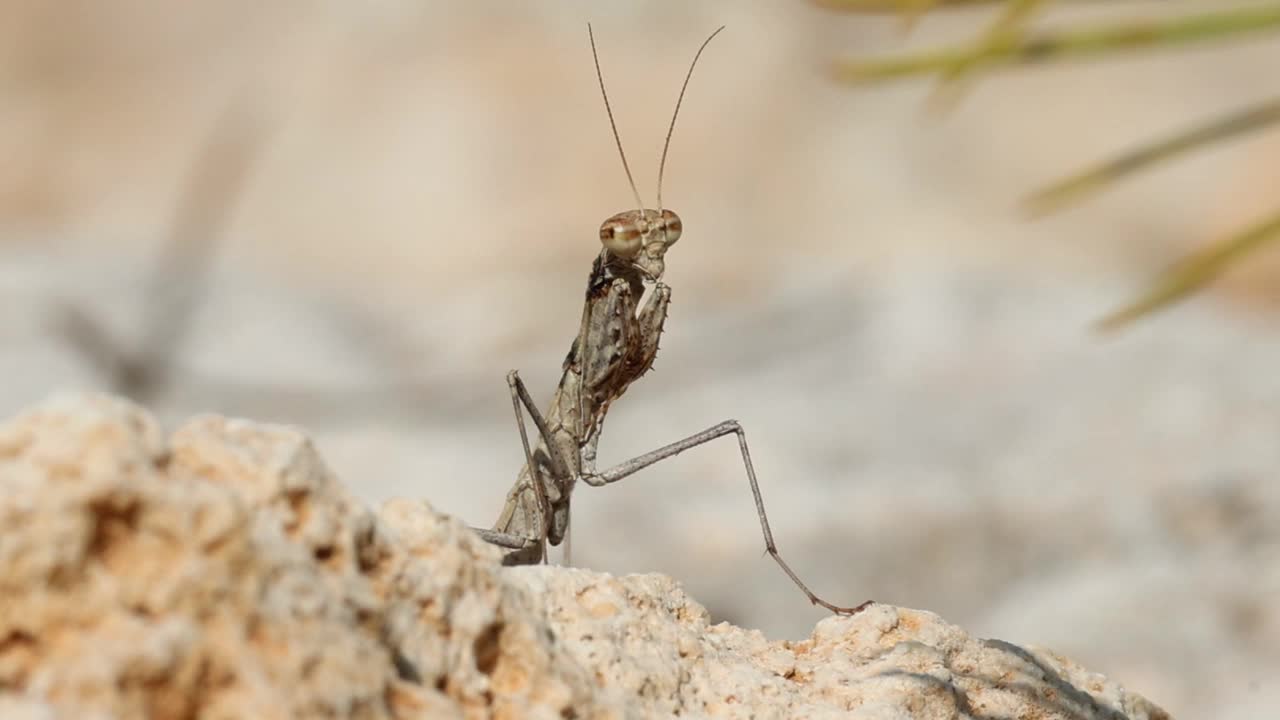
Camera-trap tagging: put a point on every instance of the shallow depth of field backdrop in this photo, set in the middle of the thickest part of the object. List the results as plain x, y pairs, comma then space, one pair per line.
932, 420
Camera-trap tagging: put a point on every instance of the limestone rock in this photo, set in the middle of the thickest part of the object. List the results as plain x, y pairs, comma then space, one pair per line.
226, 573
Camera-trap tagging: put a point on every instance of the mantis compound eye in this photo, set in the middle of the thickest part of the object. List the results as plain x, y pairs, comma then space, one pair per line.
621, 236
670, 226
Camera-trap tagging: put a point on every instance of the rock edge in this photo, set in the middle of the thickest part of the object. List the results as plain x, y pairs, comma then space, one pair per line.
224, 572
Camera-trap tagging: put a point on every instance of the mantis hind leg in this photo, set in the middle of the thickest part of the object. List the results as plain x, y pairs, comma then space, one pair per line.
524, 550
727, 427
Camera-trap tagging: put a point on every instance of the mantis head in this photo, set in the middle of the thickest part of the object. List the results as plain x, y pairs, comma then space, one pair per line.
642, 238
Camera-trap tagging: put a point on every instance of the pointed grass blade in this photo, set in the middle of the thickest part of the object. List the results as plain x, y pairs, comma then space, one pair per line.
1091, 181
1069, 44
1192, 273
1013, 19
884, 7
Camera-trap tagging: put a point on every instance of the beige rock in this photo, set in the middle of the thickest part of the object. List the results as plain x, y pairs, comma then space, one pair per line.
653, 646
228, 574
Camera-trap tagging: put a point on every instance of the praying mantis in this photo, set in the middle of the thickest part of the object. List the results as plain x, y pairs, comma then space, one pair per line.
616, 344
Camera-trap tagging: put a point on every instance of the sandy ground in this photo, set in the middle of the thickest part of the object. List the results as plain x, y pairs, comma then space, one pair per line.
932, 421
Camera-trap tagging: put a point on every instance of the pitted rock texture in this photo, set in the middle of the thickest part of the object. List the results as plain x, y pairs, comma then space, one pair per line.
226, 573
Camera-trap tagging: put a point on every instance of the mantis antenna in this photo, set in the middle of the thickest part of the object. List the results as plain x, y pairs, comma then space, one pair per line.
662, 164
600, 76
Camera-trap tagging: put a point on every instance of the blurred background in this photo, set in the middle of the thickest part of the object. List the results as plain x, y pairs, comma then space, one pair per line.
356, 217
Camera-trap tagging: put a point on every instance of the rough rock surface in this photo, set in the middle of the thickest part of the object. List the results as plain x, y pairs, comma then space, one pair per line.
225, 573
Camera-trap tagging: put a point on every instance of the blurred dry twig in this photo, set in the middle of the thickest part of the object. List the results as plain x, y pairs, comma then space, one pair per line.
143, 369
177, 284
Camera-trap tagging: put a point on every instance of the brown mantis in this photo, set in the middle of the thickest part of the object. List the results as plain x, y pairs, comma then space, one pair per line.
616, 344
